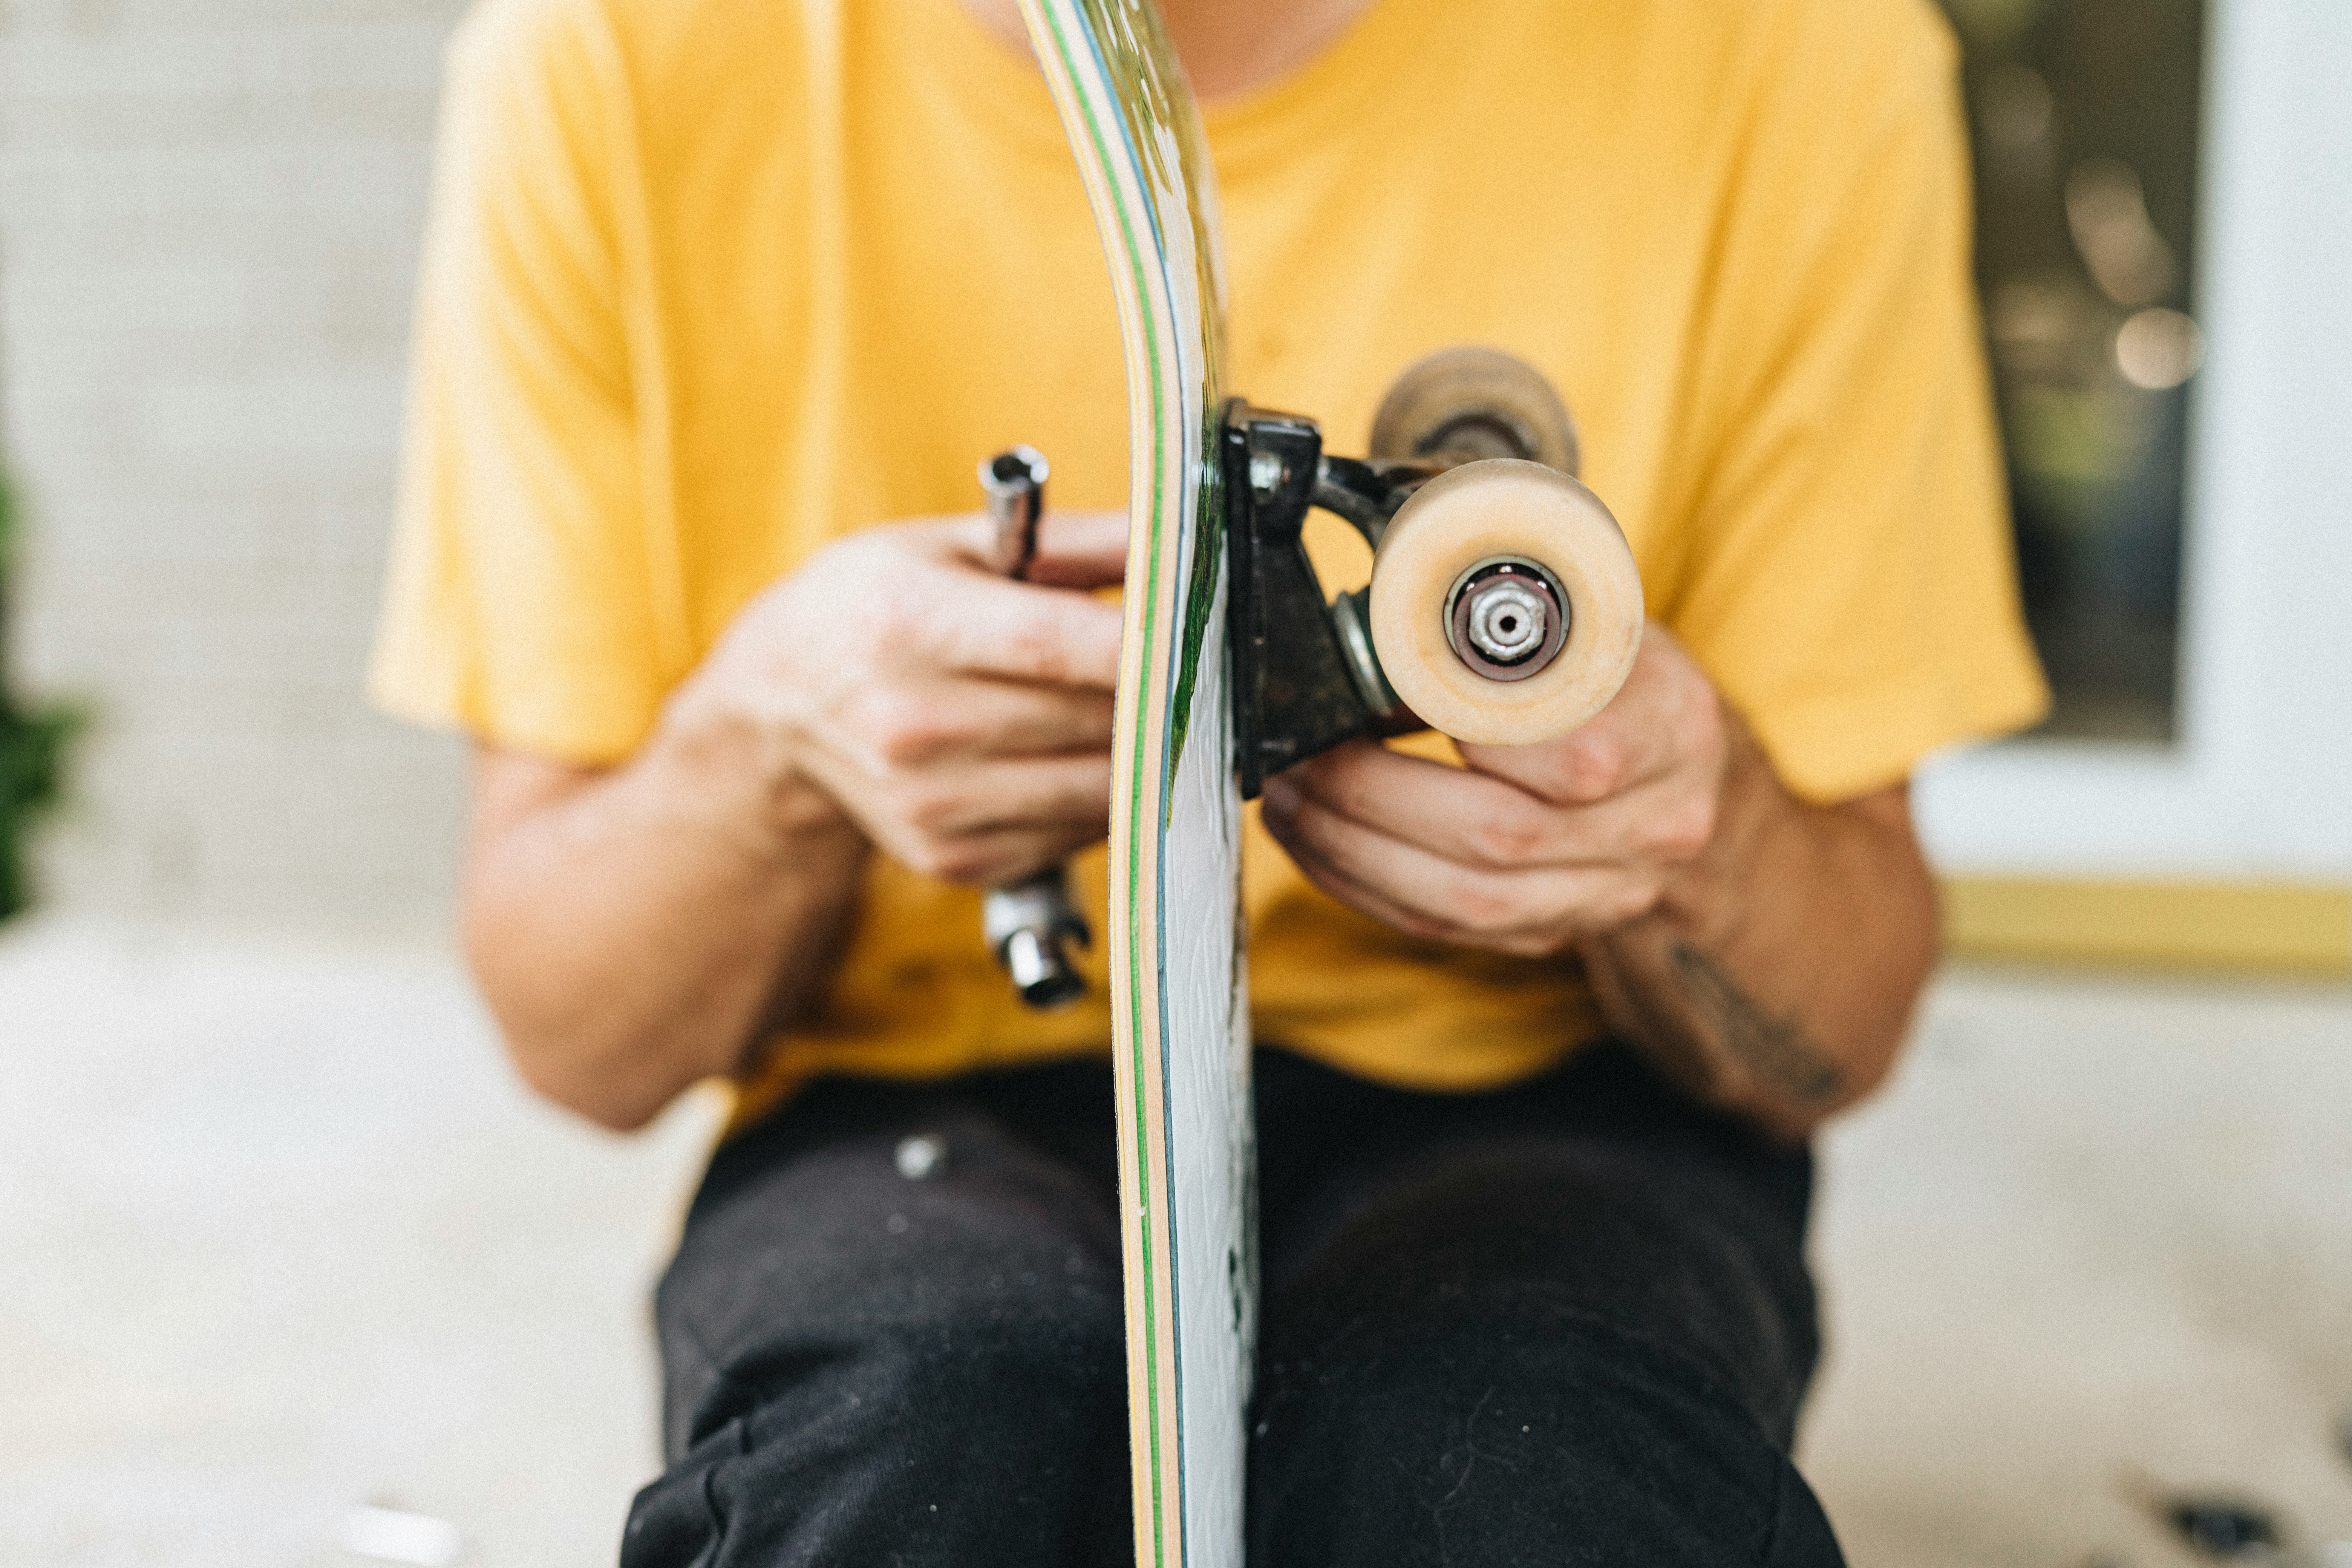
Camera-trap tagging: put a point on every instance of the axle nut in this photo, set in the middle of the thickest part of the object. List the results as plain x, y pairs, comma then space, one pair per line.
1506, 619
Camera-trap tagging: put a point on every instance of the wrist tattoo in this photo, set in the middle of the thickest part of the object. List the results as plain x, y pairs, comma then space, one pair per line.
1779, 1049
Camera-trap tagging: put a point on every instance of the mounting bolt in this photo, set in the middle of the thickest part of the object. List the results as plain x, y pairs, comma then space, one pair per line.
1265, 472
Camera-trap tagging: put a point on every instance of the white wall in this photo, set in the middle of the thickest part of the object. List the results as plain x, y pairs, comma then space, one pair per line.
209, 215
2262, 785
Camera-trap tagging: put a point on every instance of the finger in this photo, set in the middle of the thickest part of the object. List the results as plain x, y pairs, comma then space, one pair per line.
1410, 915
942, 825
927, 722
984, 625
1459, 814
1478, 821
995, 859
1641, 734
936, 807
1614, 752
1483, 822
1371, 902
1524, 910
1081, 550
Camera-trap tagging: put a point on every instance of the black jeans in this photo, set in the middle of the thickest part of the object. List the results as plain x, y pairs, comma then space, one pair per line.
1566, 1322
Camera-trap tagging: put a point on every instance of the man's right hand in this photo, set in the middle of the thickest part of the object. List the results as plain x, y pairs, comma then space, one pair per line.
638, 928
961, 719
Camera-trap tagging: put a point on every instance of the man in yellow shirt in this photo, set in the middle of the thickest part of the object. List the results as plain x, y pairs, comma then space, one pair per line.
723, 301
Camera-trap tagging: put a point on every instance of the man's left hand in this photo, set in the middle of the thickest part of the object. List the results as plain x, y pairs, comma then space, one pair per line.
1534, 847
1766, 951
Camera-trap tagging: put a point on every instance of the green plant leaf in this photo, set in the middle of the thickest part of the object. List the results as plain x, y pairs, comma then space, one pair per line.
33, 746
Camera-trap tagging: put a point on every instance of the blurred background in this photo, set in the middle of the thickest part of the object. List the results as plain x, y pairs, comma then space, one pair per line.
294, 1275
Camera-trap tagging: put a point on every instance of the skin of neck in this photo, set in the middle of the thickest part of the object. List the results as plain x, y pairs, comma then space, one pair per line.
1228, 46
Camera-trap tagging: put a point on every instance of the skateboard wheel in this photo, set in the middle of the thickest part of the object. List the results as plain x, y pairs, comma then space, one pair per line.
1505, 607
1478, 400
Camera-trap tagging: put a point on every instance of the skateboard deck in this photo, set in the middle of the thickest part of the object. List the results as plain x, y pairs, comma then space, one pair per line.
1505, 608
1179, 990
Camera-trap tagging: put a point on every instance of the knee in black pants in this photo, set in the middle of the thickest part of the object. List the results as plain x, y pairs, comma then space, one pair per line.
1500, 1427
1541, 1347
869, 1369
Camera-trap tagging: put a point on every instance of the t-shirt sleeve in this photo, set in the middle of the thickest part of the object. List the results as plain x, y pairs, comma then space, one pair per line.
1851, 583
521, 603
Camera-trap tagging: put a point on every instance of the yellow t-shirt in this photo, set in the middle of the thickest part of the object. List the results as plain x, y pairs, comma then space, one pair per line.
711, 282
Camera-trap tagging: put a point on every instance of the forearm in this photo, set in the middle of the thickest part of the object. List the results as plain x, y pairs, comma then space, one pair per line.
1777, 975
647, 928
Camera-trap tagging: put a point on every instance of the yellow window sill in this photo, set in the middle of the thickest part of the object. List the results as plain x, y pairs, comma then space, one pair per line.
2277, 928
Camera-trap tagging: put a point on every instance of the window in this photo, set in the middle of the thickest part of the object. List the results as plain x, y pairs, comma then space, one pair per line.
2084, 116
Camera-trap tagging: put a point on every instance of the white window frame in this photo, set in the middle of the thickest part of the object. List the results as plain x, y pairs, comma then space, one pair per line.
2259, 784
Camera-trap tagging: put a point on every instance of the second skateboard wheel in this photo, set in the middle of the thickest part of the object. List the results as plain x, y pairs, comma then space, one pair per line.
1478, 402
1505, 607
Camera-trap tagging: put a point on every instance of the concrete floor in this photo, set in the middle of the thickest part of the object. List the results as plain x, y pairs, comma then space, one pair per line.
282, 1237
2096, 1237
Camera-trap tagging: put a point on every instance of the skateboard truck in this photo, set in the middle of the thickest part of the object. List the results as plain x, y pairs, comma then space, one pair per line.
1486, 571
1028, 924
1306, 674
